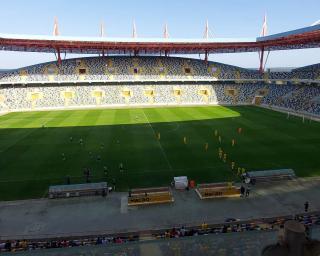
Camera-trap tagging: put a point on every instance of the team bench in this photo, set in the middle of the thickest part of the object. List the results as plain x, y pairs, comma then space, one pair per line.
145, 196
271, 175
217, 190
74, 190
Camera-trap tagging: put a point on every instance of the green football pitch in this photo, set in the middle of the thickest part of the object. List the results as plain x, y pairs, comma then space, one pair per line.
38, 149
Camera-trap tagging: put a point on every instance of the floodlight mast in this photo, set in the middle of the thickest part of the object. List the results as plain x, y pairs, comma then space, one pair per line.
102, 34
166, 31
134, 36
56, 33
166, 36
264, 32
206, 36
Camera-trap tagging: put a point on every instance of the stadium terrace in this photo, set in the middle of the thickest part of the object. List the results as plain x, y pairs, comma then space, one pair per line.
139, 126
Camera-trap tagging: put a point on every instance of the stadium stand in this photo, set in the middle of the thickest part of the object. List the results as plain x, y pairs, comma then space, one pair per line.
123, 81
310, 220
298, 98
127, 69
145, 68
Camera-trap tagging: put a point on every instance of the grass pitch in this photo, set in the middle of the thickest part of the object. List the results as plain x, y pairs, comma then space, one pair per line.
36, 149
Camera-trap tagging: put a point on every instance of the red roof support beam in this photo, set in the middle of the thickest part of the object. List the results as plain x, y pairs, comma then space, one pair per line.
261, 59
298, 41
59, 56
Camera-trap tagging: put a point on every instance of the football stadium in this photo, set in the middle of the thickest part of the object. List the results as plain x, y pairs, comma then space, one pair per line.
148, 146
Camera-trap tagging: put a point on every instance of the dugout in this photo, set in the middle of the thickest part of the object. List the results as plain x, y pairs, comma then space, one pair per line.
76, 190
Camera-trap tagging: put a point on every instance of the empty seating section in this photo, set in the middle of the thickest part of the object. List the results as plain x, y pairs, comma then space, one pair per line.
293, 97
126, 68
121, 80
311, 72
146, 68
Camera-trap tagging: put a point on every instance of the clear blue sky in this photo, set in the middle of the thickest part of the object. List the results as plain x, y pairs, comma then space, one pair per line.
185, 18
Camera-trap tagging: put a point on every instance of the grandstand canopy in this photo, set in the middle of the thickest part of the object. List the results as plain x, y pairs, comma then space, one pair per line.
308, 37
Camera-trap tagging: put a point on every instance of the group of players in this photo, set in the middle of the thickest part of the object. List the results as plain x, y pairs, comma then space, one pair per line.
87, 172
221, 154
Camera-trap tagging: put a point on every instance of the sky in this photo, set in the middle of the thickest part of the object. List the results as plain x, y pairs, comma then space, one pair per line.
185, 19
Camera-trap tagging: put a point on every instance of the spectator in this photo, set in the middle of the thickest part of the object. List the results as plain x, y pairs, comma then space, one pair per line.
242, 191
247, 191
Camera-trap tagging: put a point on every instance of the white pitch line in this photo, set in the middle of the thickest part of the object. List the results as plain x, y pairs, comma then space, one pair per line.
159, 143
4, 113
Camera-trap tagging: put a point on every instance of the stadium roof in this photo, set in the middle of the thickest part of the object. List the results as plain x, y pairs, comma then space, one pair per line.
308, 37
